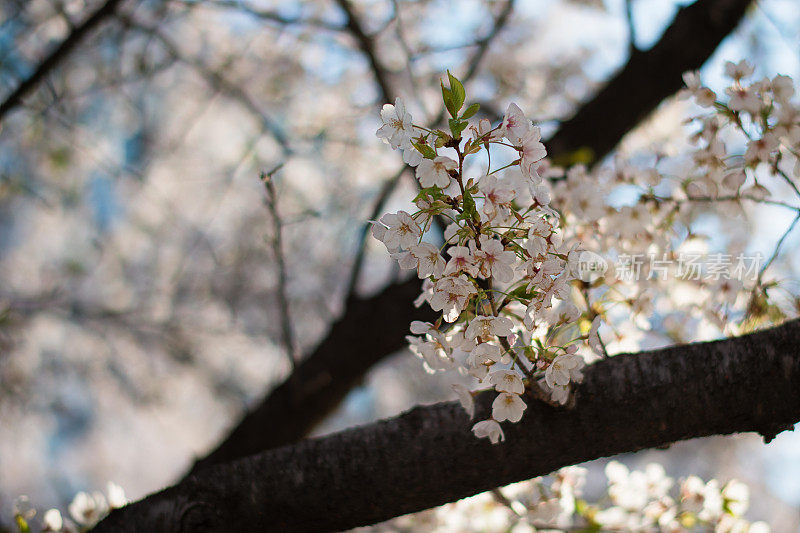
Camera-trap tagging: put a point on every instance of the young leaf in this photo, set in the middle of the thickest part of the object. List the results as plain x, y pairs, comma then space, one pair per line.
471, 110
426, 151
447, 96
459, 95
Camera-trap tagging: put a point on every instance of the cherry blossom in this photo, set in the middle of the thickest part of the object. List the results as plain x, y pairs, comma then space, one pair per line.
397, 127
507, 381
508, 406
436, 172
489, 429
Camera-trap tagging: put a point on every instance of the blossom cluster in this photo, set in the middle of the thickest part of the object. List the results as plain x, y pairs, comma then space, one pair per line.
85, 511
502, 279
744, 156
638, 500
513, 315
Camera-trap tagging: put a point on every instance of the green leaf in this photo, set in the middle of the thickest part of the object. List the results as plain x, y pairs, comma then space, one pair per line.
447, 96
469, 206
426, 151
22, 524
459, 95
471, 110
457, 126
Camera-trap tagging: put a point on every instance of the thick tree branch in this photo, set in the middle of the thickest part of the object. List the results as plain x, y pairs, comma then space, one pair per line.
57, 56
427, 456
648, 78
599, 124
369, 330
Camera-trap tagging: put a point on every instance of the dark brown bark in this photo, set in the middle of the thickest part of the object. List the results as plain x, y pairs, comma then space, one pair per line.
599, 124
648, 78
370, 329
57, 56
427, 456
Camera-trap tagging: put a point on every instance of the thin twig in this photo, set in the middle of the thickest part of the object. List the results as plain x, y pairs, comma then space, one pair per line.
367, 45
287, 335
57, 56
264, 14
217, 81
383, 196
777, 248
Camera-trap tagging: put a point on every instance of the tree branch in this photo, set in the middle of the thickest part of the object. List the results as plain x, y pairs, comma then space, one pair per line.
648, 78
427, 456
370, 329
599, 124
367, 45
57, 56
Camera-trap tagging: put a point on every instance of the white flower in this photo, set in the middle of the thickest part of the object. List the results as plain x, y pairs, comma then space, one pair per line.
507, 381
538, 233
737, 497
461, 261
489, 428
508, 407
405, 259
486, 326
450, 296
426, 294
496, 193
421, 328
88, 509
515, 125
52, 520
540, 193
430, 261
116, 496
739, 70
533, 151
712, 501
782, 88
564, 368
734, 180
495, 261
759, 150
484, 128
431, 352
411, 156
558, 393
744, 99
397, 127
465, 398
704, 96
435, 172
485, 353
401, 231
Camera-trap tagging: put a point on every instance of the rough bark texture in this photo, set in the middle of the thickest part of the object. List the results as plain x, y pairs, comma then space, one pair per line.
376, 326
427, 456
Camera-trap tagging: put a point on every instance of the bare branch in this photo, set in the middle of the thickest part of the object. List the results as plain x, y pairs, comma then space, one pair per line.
217, 81
287, 335
367, 45
57, 56
264, 14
